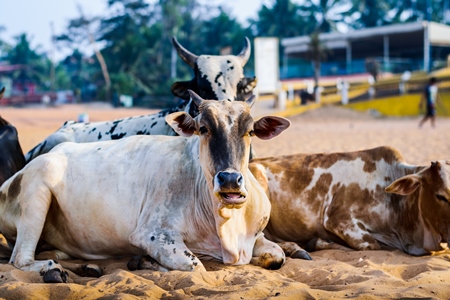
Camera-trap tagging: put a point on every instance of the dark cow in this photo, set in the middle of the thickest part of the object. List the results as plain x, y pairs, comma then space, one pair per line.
11, 155
364, 200
216, 77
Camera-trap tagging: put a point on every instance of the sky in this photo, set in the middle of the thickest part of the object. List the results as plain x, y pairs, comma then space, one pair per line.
35, 16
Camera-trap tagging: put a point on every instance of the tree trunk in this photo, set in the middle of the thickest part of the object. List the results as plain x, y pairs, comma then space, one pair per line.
99, 56
104, 67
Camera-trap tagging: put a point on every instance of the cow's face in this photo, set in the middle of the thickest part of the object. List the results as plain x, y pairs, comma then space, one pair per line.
225, 128
216, 77
432, 187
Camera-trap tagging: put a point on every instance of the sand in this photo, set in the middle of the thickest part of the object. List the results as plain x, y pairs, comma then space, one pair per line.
331, 273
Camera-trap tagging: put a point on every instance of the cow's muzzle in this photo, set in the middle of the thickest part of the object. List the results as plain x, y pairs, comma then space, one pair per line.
230, 188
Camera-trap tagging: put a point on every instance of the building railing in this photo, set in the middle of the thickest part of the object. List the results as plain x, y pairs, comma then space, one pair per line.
298, 68
363, 90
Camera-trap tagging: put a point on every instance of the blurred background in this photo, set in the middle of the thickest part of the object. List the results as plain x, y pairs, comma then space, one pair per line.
323, 51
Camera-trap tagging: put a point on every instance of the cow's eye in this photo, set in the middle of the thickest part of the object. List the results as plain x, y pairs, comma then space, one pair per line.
203, 130
442, 198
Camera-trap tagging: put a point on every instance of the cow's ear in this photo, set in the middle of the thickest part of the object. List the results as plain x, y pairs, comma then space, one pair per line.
2, 91
180, 89
405, 185
182, 123
269, 127
435, 166
247, 84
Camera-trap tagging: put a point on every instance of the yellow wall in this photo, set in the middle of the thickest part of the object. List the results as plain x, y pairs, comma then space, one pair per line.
404, 105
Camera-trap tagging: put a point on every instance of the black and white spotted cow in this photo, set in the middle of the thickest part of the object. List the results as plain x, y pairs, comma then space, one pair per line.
216, 77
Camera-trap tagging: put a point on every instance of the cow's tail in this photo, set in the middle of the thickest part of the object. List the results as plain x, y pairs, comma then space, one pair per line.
35, 152
3, 122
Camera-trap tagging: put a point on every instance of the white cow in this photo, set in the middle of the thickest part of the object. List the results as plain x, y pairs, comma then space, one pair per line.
173, 199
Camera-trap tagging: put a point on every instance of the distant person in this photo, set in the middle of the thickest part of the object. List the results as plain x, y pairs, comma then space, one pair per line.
305, 97
430, 98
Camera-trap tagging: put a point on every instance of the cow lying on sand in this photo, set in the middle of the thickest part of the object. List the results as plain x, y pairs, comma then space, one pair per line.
364, 200
171, 198
11, 155
216, 77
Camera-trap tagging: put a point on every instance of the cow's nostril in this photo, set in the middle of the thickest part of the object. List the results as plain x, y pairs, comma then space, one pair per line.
240, 179
230, 180
221, 177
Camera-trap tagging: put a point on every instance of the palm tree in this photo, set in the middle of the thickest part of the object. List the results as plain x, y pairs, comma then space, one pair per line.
281, 20
325, 14
414, 10
369, 13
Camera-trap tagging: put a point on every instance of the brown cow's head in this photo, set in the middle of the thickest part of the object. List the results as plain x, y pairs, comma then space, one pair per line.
216, 77
432, 189
225, 128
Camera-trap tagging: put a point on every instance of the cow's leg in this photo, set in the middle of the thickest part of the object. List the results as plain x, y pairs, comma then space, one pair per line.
23, 254
84, 270
267, 254
145, 262
167, 249
353, 233
320, 244
34, 205
293, 250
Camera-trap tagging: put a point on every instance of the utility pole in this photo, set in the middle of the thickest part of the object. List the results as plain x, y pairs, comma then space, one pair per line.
174, 56
429, 11
52, 57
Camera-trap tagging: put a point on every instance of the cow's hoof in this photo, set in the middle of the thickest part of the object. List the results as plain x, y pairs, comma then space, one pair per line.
144, 262
275, 265
134, 263
56, 276
301, 254
91, 271
311, 245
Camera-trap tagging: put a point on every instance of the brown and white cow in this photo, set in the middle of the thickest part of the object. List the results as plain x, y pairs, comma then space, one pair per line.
172, 198
364, 200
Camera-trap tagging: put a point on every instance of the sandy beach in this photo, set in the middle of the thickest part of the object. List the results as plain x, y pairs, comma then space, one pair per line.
331, 274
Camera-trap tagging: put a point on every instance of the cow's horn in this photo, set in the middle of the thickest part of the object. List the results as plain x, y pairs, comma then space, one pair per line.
250, 101
196, 98
187, 56
245, 53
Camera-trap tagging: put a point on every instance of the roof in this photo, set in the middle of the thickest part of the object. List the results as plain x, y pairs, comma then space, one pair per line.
439, 34
9, 68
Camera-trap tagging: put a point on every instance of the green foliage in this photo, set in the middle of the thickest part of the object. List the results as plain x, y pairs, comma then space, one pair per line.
37, 66
134, 38
369, 13
325, 14
283, 19
416, 10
